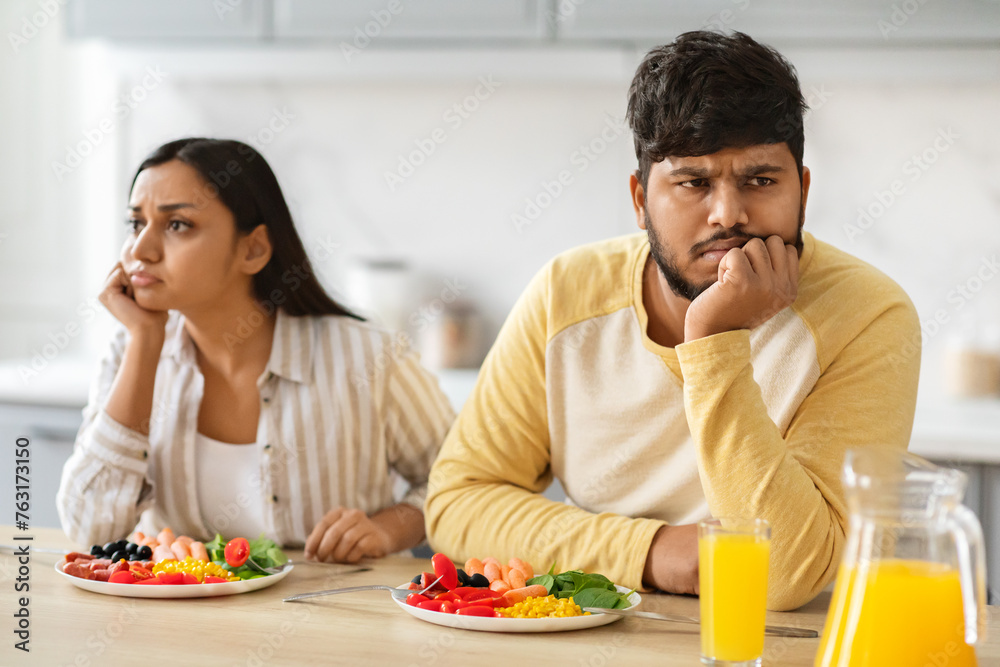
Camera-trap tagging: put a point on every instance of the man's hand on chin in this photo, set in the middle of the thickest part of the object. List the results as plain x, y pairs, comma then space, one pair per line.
755, 283
672, 560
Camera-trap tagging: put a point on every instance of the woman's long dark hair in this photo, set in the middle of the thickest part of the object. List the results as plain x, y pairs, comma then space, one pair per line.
242, 180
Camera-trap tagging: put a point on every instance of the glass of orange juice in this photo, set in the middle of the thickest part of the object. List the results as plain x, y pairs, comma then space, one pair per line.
733, 555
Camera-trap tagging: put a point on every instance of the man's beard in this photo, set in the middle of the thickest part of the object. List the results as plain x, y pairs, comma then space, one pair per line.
667, 261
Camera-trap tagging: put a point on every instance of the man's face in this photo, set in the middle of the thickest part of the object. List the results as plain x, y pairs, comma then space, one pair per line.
695, 209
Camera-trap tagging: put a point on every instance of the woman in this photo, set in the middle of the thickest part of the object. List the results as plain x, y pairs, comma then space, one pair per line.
237, 396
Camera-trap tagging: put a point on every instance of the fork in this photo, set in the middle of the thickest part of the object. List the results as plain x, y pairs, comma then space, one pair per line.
397, 593
772, 630
290, 562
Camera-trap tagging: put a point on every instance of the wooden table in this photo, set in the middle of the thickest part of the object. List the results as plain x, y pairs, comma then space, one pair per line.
70, 626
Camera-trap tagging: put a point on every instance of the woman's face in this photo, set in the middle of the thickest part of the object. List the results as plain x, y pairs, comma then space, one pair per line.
182, 250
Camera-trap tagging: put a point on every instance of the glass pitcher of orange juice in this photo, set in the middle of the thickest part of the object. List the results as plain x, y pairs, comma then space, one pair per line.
911, 588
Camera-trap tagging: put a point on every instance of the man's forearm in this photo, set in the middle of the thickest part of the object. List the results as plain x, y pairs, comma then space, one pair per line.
503, 521
403, 524
672, 560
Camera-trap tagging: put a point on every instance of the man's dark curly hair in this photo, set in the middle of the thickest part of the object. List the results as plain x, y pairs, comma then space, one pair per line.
708, 91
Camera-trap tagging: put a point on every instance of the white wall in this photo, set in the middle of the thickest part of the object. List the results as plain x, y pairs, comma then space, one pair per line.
939, 145
37, 236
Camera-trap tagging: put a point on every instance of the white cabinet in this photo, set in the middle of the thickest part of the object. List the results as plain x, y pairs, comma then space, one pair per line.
289, 20
786, 22
990, 518
982, 496
369, 20
135, 20
848, 23
51, 432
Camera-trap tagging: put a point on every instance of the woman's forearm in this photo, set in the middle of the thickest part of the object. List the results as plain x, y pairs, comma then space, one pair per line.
130, 402
403, 524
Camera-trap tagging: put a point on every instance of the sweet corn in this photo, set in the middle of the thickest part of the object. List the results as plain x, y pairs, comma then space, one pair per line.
199, 568
546, 607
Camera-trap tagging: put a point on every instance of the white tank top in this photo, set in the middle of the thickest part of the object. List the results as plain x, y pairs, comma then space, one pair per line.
229, 487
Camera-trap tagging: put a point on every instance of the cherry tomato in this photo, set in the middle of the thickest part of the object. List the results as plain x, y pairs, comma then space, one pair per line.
121, 577
189, 578
469, 593
209, 579
477, 610
139, 572
444, 568
482, 599
430, 605
171, 578
462, 591
237, 551
413, 599
444, 606
450, 596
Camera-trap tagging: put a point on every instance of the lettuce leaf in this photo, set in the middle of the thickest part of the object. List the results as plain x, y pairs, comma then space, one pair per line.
263, 551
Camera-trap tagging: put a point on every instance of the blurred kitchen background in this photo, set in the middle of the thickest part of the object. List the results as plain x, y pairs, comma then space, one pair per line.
436, 153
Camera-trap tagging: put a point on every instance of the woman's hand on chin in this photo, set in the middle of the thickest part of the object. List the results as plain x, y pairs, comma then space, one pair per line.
118, 297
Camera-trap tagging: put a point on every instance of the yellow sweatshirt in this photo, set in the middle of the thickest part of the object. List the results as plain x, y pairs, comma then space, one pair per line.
743, 423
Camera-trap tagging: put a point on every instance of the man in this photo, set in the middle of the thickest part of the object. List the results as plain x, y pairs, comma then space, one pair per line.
720, 364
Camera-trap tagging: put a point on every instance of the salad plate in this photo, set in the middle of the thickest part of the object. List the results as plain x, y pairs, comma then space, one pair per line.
486, 624
177, 591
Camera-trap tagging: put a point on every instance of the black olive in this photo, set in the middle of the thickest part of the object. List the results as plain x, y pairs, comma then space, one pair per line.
131, 547
97, 550
416, 579
143, 553
110, 548
118, 555
463, 578
479, 581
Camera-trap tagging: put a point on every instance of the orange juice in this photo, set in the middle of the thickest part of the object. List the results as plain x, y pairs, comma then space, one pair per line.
907, 613
732, 572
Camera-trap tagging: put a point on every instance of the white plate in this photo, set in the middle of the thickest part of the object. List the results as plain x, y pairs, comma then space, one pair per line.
485, 624
176, 591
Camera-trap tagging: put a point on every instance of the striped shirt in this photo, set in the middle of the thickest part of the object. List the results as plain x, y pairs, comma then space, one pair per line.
345, 411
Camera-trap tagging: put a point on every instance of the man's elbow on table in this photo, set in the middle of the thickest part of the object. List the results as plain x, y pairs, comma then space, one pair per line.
796, 578
788, 596
443, 511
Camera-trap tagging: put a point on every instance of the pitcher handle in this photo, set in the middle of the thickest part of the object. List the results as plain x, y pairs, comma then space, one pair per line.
972, 571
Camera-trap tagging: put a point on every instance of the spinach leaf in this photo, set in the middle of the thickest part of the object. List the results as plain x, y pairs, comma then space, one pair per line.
577, 581
623, 600
593, 587
598, 597
570, 582
599, 580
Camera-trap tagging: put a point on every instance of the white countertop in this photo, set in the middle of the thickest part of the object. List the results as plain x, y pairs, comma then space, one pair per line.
62, 382
945, 429
958, 430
